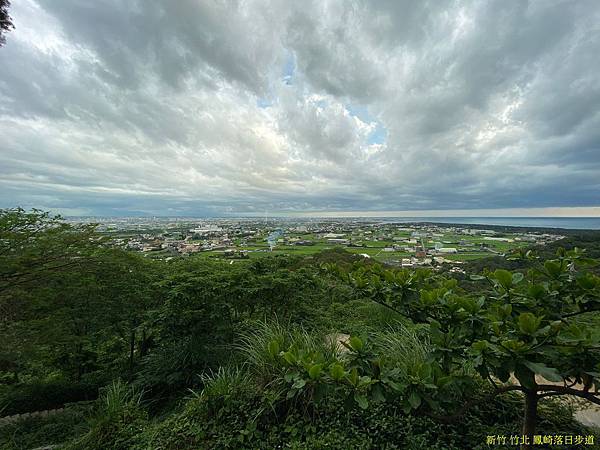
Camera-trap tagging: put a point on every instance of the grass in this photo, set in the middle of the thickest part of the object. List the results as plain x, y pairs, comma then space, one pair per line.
118, 396
467, 256
404, 348
225, 382
260, 346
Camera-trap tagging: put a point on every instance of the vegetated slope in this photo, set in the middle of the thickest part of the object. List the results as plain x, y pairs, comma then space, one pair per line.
253, 343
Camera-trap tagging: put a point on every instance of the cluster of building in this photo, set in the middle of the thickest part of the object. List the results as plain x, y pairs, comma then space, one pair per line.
409, 245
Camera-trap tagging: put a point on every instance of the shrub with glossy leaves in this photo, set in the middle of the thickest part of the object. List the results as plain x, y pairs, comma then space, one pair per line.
525, 324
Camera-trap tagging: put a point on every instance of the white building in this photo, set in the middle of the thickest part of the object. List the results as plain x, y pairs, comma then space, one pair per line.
447, 250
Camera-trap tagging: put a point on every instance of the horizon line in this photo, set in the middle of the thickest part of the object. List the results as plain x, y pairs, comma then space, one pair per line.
550, 212
547, 212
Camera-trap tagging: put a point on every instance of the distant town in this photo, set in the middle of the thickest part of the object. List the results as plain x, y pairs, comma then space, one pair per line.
400, 244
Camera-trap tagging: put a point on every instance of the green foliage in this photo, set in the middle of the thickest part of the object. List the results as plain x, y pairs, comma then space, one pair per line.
361, 355
117, 398
523, 325
257, 343
404, 348
39, 396
65, 297
309, 368
287, 363
234, 425
225, 383
36, 246
118, 419
36, 432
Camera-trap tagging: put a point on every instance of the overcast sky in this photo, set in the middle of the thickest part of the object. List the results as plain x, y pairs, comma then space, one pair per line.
198, 107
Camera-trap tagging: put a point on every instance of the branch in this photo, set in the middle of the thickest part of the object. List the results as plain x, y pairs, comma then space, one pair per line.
489, 377
550, 390
390, 307
576, 313
570, 385
463, 409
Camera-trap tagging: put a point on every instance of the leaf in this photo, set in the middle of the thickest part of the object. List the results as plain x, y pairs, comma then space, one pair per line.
356, 343
525, 376
586, 282
517, 277
361, 400
528, 323
289, 357
424, 371
479, 346
398, 387
553, 268
288, 377
299, 384
336, 371
549, 373
504, 277
477, 277
353, 376
536, 291
273, 348
377, 394
414, 399
315, 371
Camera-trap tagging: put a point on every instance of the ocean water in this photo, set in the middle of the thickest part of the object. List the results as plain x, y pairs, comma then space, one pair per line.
574, 223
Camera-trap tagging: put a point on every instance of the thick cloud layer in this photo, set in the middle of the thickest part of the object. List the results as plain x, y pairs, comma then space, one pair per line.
199, 107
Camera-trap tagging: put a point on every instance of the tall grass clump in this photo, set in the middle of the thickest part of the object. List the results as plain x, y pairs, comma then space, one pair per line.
118, 398
118, 417
225, 382
257, 347
261, 345
403, 348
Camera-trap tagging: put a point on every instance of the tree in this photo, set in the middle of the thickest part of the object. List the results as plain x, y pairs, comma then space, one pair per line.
68, 300
39, 255
34, 245
522, 334
5, 20
191, 327
36, 248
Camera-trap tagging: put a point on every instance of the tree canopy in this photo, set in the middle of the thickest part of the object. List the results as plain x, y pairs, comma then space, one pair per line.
6, 23
524, 325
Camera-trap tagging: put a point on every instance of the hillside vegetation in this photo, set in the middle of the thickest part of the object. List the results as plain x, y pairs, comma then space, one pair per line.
327, 351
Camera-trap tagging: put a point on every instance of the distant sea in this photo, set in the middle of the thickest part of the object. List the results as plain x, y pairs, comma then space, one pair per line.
575, 223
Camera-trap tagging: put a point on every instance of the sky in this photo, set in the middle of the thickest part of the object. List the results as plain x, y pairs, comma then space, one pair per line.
212, 108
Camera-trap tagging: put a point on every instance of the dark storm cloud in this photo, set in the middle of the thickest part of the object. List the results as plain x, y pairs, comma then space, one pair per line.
210, 107
172, 39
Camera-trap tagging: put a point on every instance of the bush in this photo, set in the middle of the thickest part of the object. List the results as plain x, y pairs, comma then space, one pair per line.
249, 408
260, 347
40, 431
235, 425
40, 396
